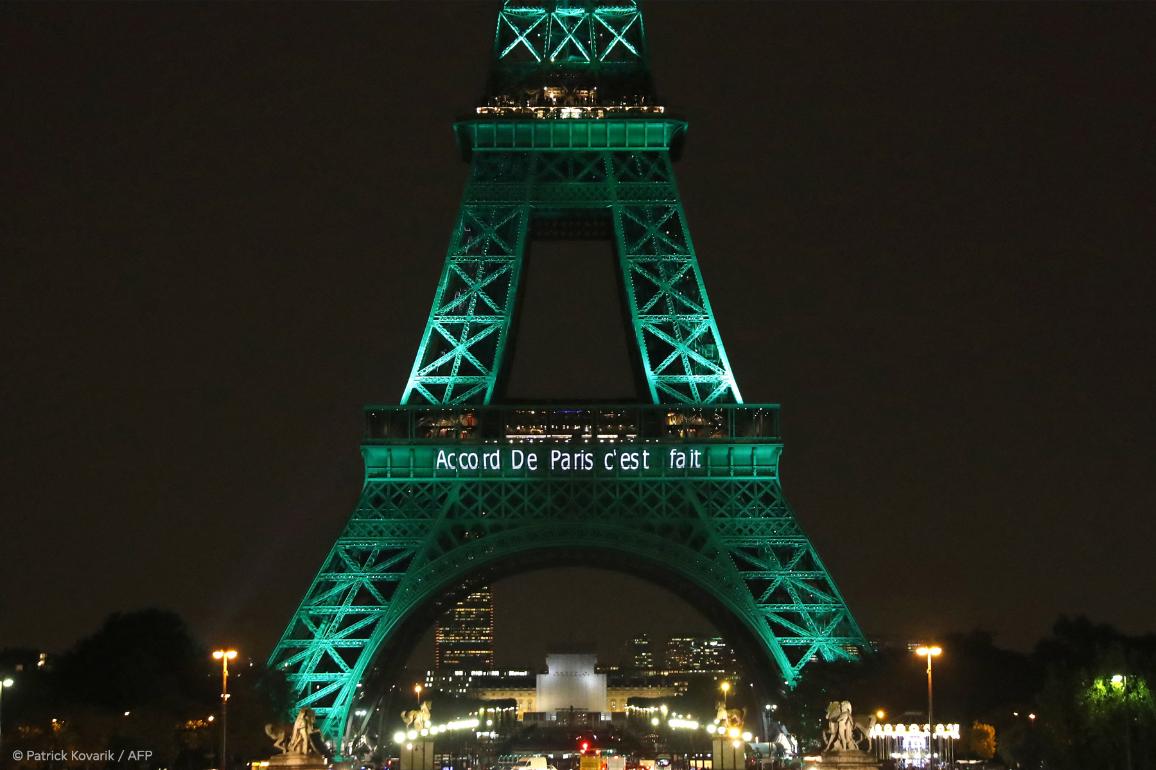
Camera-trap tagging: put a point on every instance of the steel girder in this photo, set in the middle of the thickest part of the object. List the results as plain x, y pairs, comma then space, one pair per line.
416, 533
587, 32
681, 352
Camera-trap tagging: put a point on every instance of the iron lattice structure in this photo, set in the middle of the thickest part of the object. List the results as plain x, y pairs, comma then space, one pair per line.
569, 141
581, 169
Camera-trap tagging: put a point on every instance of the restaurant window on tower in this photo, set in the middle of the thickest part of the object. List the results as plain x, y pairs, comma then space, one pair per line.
464, 635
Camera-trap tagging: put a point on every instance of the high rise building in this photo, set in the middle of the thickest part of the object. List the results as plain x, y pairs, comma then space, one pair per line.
640, 655
698, 655
464, 635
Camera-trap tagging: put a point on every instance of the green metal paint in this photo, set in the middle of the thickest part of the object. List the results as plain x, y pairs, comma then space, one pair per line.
457, 481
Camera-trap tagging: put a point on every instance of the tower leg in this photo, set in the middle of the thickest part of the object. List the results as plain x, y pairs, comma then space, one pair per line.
680, 346
462, 347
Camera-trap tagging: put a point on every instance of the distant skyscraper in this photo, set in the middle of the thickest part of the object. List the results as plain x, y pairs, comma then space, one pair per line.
464, 635
640, 654
698, 655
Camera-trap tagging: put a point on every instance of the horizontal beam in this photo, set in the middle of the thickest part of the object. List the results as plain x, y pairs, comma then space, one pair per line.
570, 134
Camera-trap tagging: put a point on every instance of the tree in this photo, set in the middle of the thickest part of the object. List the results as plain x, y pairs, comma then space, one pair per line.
142, 681
1096, 707
980, 740
146, 658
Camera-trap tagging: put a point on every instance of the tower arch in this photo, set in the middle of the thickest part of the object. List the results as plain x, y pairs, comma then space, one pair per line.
638, 561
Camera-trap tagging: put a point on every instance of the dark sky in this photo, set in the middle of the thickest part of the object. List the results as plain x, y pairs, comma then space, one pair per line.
927, 230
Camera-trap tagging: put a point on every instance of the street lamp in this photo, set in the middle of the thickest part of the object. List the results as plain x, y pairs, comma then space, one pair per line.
224, 656
929, 652
1119, 682
417, 692
4, 685
725, 687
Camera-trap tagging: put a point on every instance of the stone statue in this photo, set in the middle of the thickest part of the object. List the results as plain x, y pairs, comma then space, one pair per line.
303, 729
729, 717
417, 719
863, 728
839, 734
299, 744
280, 736
844, 738
736, 717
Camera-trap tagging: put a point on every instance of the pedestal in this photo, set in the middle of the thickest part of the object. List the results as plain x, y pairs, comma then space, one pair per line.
850, 760
728, 754
297, 762
417, 755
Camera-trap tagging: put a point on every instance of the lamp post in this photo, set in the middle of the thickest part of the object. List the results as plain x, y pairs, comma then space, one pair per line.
929, 652
725, 687
224, 656
417, 688
4, 685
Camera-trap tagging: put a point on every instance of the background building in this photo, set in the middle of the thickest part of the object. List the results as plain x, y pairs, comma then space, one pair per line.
570, 682
698, 655
571, 685
640, 655
488, 681
464, 635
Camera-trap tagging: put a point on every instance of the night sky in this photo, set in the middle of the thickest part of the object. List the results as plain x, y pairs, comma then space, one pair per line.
927, 230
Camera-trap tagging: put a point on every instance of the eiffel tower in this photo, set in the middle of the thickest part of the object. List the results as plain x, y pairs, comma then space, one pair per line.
681, 487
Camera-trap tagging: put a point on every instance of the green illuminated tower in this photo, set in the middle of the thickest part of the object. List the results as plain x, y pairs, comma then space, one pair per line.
682, 487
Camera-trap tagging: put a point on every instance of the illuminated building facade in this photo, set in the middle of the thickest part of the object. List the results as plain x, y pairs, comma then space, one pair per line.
464, 635
571, 684
698, 655
472, 681
640, 655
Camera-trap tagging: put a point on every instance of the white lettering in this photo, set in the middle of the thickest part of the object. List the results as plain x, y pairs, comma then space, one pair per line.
562, 459
520, 458
443, 461
580, 460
